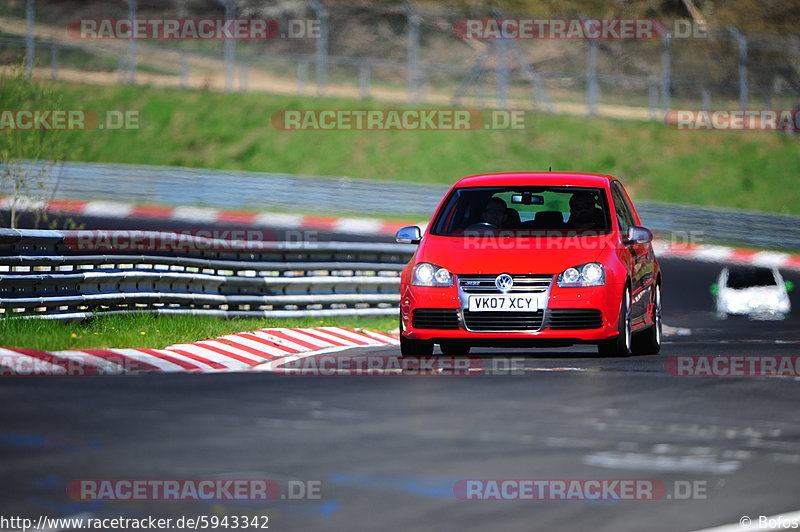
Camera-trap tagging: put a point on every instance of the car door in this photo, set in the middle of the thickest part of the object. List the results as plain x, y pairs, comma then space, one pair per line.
640, 270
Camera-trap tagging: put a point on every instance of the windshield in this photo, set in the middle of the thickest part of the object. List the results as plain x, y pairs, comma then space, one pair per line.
524, 210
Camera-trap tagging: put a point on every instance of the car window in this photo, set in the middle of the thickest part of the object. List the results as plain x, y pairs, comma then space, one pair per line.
523, 209
747, 277
621, 207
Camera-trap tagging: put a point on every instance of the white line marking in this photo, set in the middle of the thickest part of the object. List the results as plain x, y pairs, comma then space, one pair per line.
713, 253
268, 350
164, 365
280, 341
21, 364
98, 364
300, 335
385, 338
279, 219
110, 209
689, 464
359, 225
274, 364
199, 350
770, 258
255, 359
333, 338
351, 334
195, 214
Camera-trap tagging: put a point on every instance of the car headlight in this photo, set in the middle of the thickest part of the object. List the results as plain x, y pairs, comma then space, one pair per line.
589, 274
427, 274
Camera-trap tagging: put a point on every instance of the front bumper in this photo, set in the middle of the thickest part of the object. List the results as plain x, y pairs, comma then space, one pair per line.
605, 299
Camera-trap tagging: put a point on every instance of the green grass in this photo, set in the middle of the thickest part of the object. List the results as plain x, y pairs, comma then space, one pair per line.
751, 170
142, 330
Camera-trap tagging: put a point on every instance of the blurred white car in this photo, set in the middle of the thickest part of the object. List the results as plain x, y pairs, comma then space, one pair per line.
753, 291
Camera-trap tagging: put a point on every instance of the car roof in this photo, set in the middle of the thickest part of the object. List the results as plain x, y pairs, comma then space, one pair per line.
576, 179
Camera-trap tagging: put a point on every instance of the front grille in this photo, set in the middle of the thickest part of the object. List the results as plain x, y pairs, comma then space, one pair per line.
573, 319
434, 318
484, 284
503, 321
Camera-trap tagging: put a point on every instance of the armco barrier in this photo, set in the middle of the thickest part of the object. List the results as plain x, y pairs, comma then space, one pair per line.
226, 189
76, 274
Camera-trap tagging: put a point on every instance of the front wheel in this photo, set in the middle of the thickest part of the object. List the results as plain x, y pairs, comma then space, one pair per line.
620, 345
414, 348
648, 342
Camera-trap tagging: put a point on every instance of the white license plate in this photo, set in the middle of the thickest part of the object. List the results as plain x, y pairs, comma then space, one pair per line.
504, 303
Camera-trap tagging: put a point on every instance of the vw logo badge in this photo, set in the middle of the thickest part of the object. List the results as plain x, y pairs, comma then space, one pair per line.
504, 282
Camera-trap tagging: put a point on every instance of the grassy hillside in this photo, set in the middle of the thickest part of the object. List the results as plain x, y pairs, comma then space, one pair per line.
755, 170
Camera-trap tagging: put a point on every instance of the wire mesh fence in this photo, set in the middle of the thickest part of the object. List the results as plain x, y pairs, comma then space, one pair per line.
418, 54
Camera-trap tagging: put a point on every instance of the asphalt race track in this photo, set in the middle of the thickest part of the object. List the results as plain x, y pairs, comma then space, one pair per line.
388, 450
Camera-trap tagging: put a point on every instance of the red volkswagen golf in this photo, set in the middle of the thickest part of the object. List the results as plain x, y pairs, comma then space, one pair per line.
531, 259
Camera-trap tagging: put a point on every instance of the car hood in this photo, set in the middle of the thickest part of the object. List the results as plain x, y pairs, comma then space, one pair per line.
493, 255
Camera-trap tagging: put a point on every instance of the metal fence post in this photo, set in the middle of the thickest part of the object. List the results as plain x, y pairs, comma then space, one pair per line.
230, 46
244, 66
741, 42
539, 92
302, 77
29, 44
652, 99
363, 81
591, 78
184, 70
412, 51
666, 83
132, 44
501, 50
322, 46
54, 61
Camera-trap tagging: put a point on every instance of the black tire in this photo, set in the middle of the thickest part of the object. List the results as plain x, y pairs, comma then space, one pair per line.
414, 348
648, 341
454, 349
620, 345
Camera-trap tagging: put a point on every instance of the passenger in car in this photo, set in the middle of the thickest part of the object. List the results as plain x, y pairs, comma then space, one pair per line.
584, 212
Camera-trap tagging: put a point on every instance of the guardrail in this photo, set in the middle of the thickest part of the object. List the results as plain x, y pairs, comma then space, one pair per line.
171, 185
77, 274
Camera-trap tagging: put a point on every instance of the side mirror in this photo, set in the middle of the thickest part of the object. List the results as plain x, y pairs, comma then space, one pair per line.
409, 235
638, 235
789, 285
714, 289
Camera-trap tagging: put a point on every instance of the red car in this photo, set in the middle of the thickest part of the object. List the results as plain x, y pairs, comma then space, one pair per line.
531, 259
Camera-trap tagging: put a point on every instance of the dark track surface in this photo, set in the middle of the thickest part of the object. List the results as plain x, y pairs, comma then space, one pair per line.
388, 449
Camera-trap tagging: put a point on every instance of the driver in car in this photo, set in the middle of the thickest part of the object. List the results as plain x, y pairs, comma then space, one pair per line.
495, 212
584, 213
